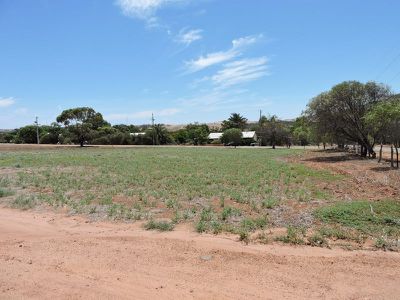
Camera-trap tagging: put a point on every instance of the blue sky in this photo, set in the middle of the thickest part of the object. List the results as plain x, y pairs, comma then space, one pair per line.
188, 60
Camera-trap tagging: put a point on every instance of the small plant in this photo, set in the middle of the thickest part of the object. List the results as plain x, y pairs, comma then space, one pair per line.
229, 212
171, 203
317, 240
270, 203
5, 193
159, 225
201, 227
254, 224
24, 202
294, 235
262, 238
244, 236
381, 243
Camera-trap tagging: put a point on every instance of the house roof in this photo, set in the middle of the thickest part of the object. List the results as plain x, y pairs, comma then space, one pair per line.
245, 135
137, 133
215, 135
248, 134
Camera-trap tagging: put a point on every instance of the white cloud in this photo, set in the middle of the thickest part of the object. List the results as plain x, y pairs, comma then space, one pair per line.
238, 45
6, 102
240, 71
187, 37
144, 9
143, 114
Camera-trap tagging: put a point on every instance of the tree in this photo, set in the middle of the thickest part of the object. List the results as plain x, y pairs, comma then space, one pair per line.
161, 134
197, 133
234, 121
232, 136
27, 135
52, 134
272, 132
81, 122
385, 121
340, 112
180, 136
301, 131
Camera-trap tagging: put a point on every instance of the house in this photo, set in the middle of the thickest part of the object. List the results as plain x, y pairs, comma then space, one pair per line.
246, 135
249, 135
137, 133
214, 136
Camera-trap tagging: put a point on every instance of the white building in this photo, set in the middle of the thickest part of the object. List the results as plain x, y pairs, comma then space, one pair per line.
245, 135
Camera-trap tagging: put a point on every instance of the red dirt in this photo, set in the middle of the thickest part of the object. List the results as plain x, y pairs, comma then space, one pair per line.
364, 178
51, 256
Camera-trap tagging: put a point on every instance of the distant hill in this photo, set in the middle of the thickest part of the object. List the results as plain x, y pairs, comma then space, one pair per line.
6, 130
215, 125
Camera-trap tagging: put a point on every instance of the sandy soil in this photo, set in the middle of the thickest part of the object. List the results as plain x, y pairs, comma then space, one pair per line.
47, 255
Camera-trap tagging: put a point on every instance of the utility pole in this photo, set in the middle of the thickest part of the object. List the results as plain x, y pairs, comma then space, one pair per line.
153, 129
37, 130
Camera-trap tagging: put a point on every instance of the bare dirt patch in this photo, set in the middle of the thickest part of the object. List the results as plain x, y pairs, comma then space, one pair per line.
365, 178
48, 255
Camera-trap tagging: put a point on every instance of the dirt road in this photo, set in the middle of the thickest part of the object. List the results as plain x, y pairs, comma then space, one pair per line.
47, 255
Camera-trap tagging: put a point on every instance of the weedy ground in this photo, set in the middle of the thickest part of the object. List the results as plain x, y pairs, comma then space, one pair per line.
248, 192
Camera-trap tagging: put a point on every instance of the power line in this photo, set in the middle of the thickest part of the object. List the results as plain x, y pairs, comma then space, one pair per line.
388, 66
394, 77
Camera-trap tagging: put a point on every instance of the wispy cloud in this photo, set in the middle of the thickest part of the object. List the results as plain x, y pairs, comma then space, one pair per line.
144, 9
210, 59
187, 37
240, 71
6, 102
143, 114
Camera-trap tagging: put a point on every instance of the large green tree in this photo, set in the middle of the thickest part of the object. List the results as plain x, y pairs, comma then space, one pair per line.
341, 112
234, 121
232, 136
81, 122
197, 133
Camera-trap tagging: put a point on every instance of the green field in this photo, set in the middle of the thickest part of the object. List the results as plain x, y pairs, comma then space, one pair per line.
215, 189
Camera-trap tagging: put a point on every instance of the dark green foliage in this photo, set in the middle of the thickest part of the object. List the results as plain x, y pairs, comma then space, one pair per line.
81, 122
197, 134
232, 137
234, 121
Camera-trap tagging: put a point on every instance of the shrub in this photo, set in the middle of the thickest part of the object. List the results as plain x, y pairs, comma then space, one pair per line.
5, 192
159, 225
317, 240
24, 202
294, 235
232, 137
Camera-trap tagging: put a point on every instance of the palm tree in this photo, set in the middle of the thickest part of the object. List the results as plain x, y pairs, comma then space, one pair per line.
234, 121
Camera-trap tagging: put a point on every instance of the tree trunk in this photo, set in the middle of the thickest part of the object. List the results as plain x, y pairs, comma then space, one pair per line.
380, 153
391, 156
397, 157
324, 145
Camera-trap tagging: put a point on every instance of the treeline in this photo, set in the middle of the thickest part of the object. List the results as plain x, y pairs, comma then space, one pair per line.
85, 126
350, 113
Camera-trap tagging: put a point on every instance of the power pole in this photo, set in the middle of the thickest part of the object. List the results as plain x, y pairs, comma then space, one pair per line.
153, 129
37, 130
